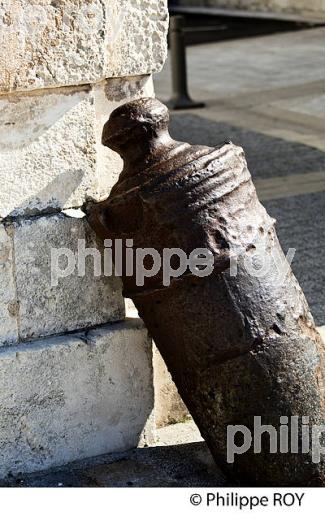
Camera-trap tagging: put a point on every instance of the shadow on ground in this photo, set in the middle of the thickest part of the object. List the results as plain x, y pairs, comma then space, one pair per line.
266, 156
183, 465
300, 219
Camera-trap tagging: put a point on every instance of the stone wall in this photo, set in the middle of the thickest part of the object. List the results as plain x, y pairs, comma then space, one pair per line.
76, 377
301, 7
169, 407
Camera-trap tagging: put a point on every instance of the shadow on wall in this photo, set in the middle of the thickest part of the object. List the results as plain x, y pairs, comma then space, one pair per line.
48, 152
37, 114
67, 182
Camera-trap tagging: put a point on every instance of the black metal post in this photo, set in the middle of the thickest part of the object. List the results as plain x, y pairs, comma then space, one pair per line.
180, 97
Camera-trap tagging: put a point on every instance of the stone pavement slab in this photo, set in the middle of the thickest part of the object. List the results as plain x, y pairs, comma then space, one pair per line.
232, 68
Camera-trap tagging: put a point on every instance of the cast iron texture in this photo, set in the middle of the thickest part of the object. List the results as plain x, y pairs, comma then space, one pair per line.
236, 347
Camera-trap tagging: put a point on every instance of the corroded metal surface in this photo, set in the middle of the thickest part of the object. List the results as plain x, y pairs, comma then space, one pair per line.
237, 347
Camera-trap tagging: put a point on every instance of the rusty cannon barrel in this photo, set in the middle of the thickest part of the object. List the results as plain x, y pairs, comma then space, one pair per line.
236, 332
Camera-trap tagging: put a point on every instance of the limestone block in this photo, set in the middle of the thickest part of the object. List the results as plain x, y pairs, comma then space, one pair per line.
76, 396
321, 330
108, 96
51, 43
8, 302
50, 305
169, 406
51, 156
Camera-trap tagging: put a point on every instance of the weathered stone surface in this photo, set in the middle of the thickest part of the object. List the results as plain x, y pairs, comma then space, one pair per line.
48, 154
67, 42
8, 302
108, 96
179, 459
169, 407
321, 330
71, 397
51, 156
76, 301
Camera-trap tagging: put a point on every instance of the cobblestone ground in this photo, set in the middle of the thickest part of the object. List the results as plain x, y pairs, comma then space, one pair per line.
267, 95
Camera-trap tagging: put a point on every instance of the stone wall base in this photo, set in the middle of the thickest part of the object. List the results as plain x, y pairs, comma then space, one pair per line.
79, 395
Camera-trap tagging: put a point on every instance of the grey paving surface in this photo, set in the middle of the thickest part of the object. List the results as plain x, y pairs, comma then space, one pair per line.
301, 225
232, 68
267, 156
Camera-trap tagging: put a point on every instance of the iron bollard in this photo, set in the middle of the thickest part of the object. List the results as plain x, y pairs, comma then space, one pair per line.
180, 97
241, 346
